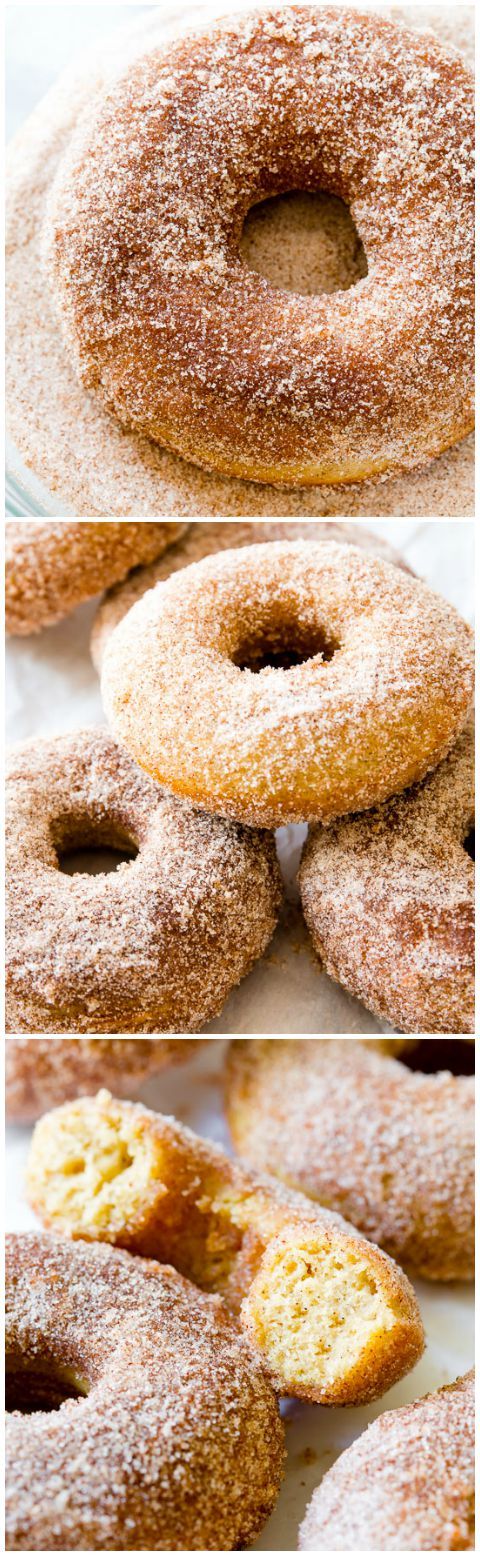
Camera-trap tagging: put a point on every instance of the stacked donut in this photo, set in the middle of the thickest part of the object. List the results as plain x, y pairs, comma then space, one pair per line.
270, 681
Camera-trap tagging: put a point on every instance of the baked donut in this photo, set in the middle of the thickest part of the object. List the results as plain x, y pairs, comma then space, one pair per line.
140, 1420
40, 1072
50, 568
332, 1317
201, 540
172, 331
407, 1484
390, 1148
156, 945
389, 899
382, 699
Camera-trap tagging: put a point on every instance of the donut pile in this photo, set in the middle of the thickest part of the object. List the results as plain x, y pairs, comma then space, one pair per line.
284, 680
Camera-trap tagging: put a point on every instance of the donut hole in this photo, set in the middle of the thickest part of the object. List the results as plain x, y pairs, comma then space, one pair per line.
282, 648
87, 846
434, 1054
469, 843
30, 1388
303, 243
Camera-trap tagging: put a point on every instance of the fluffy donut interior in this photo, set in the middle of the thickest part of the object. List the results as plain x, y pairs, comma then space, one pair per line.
315, 1311
321, 1305
93, 1171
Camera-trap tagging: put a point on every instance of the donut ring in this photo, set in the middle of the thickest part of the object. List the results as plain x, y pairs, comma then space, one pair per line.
39, 1073
285, 745
358, 1131
162, 1433
407, 1484
389, 899
51, 568
201, 540
186, 345
155, 946
332, 1317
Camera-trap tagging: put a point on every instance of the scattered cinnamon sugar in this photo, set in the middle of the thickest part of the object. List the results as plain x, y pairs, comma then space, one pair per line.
74, 446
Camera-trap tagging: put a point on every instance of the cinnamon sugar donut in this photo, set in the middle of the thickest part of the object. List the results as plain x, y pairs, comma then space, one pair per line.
383, 698
389, 900
50, 568
140, 1420
332, 1317
390, 1148
158, 944
180, 340
40, 1072
407, 1484
203, 539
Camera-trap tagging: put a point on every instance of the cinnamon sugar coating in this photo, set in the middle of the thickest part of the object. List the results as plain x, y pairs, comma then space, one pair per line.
158, 944
391, 1149
333, 1318
407, 1484
201, 540
389, 898
382, 700
40, 1073
173, 1442
183, 343
52, 567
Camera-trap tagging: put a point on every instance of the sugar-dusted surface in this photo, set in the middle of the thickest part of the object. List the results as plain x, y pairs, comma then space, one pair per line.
314, 1436
52, 568
203, 539
408, 1484
39, 1073
156, 945
320, 739
366, 1136
177, 1445
389, 901
186, 345
74, 446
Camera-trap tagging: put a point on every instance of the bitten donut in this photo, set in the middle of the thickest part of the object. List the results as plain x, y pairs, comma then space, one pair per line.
407, 1484
382, 698
140, 1420
154, 946
172, 331
201, 540
332, 1317
389, 899
51, 568
356, 1130
40, 1073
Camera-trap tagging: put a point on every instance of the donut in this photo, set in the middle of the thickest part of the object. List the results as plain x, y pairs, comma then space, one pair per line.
40, 1073
52, 568
390, 1148
389, 900
332, 1317
201, 540
154, 946
180, 340
382, 698
407, 1484
139, 1419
